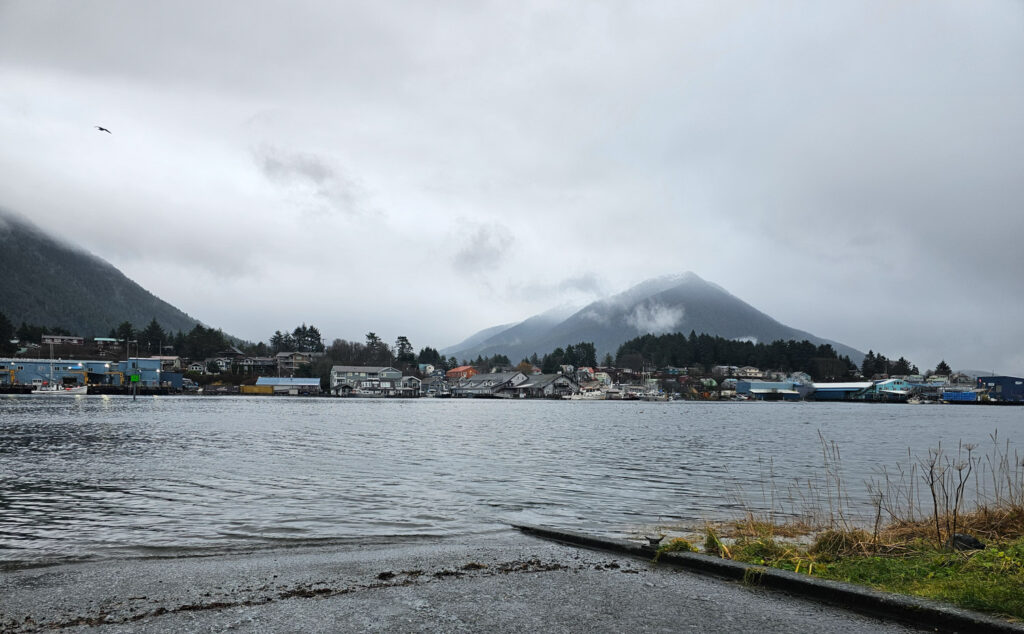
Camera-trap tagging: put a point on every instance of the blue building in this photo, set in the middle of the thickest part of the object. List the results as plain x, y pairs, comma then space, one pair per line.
958, 396
1003, 389
772, 390
887, 390
841, 391
73, 372
290, 385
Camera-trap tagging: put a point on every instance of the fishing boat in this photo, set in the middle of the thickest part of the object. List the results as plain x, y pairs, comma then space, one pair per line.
589, 395
50, 388
60, 390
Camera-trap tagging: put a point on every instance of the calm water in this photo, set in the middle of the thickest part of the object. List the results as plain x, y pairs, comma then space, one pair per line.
99, 477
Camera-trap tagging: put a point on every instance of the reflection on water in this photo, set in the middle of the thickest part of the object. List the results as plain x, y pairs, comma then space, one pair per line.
102, 476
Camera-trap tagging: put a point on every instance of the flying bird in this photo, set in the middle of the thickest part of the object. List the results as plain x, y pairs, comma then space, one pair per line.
102, 129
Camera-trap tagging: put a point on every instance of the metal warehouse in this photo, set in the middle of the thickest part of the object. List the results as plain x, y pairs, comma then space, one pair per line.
1003, 389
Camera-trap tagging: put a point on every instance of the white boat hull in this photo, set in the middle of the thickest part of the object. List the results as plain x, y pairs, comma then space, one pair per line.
62, 391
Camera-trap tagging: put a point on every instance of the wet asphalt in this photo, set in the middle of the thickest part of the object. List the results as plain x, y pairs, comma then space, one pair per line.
499, 582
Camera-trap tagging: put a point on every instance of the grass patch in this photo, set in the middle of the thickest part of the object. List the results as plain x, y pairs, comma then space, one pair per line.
990, 580
922, 512
677, 545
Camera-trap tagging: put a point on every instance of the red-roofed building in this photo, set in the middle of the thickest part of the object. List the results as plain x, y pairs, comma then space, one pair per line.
461, 372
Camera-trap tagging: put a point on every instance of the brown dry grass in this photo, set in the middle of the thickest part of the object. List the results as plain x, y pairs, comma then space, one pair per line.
986, 523
753, 526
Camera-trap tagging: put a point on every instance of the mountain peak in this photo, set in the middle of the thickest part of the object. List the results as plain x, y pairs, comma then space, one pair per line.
669, 303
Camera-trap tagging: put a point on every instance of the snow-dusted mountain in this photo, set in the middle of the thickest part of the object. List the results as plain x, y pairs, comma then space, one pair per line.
677, 303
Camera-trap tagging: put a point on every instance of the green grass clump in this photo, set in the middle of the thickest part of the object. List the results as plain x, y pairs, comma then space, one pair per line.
677, 545
714, 546
762, 550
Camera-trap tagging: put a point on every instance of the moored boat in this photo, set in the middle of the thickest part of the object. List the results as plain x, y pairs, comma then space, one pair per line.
59, 390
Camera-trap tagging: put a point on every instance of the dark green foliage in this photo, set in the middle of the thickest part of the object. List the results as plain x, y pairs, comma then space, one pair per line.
377, 352
152, 338
31, 333
432, 356
875, 364
581, 355
903, 367
551, 362
405, 358
303, 339
124, 332
943, 368
486, 364
308, 339
819, 361
6, 334
200, 343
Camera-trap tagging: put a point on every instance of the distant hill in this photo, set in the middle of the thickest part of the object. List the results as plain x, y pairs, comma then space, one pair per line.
678, 303
511, 336
46, 282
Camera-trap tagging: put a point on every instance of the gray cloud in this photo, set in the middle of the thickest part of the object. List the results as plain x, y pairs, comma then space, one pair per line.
483, 249
655, 318
866, 153
317, 184
573, 290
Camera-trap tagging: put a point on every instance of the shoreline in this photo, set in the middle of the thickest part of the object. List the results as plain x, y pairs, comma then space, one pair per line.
500, 582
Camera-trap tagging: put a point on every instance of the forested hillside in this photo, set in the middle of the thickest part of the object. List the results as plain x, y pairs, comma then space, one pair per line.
45, 281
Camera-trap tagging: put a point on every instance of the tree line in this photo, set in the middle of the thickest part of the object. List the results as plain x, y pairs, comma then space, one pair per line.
819, 361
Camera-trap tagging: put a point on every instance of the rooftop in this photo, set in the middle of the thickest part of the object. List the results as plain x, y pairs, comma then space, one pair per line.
290, 381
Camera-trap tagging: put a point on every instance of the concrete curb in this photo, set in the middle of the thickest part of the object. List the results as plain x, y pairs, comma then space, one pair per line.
911, 610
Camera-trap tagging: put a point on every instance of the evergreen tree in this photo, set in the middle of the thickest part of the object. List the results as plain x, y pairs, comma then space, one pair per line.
30, 334
903, 367
6, 335
867, 366
431, 356
125, 331
201, 343
404, 356
302, 339
153, 337
377, 352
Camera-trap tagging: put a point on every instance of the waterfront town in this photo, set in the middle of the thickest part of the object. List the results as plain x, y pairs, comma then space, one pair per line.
113, 370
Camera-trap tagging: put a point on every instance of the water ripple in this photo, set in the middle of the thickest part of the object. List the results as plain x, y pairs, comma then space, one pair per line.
95, 477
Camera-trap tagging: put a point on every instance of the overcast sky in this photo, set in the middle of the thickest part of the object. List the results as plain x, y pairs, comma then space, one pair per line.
429, 169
